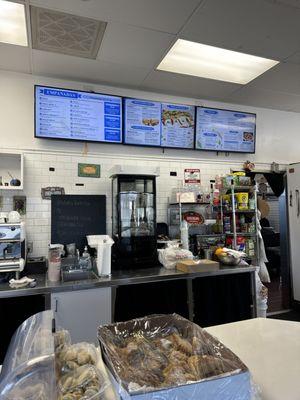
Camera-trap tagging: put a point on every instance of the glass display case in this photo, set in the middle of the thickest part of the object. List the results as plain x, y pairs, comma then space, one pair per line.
134, 221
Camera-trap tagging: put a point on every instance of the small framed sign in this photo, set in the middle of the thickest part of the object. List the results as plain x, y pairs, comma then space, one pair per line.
192, 175
89, 170
47, 192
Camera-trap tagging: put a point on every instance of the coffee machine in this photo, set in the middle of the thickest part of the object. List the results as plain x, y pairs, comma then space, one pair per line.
134, 221
12, 247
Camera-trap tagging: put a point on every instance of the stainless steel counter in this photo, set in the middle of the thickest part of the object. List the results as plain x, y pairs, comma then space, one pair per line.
119, 278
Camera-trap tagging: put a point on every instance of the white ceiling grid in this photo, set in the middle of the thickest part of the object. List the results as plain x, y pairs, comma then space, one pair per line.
140, 32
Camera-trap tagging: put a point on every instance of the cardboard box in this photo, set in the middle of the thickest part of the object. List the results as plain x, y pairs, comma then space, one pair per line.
237, 387
191, 266
233, 384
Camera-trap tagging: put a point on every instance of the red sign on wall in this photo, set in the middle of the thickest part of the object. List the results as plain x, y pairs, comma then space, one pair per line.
193, 218
192, 175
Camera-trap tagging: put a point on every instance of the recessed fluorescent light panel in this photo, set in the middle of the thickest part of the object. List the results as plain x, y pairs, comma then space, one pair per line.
12, 23
211, 62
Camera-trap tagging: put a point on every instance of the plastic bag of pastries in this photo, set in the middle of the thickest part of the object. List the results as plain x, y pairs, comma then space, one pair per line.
85, 382
78, 372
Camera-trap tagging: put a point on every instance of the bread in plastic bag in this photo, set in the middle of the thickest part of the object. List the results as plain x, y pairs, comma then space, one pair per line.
170, 256
78, 374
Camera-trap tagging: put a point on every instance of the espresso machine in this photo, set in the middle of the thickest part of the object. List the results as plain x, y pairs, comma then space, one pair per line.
12, 247
134, 221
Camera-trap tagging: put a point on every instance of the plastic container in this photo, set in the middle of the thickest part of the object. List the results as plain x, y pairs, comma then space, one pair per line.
103, 244
242, 200
262, 307
54, 262
184, 235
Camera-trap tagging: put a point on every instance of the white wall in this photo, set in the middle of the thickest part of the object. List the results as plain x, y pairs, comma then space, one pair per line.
277, 140
277, 131
37, 175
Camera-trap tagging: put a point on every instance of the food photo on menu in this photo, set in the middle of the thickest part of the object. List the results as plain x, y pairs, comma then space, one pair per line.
178, 122
142, 122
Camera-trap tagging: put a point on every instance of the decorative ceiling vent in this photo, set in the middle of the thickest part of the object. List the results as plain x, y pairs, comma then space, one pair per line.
59, 32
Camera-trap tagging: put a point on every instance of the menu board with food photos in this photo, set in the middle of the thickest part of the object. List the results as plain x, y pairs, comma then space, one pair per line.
225, 130
178, 124
150, 123
142, 122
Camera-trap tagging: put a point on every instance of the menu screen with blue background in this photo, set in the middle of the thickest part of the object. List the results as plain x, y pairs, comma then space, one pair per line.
71, 114
151, 123
223, 130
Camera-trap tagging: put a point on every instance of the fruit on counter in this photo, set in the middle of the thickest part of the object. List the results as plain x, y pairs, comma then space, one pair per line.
220, 252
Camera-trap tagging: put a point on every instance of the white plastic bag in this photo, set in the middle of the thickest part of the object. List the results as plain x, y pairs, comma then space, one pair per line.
261, 297
170, 256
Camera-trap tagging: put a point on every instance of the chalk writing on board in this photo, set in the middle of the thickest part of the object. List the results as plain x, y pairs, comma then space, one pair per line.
75, 216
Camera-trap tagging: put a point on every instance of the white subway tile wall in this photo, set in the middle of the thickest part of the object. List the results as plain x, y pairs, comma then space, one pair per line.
37, 175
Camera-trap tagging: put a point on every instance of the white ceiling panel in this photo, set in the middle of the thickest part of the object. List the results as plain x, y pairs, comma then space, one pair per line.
265, 98
260, 27
68, 67
164, 15
15, 58
283, 78
187, 85
131, 45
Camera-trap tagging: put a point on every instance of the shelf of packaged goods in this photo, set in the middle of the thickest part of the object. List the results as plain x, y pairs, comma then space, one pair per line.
210, 234
236, 189
191, 204
239, 211
242, 234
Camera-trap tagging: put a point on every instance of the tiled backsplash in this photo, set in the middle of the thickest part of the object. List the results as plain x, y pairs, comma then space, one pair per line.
37, 175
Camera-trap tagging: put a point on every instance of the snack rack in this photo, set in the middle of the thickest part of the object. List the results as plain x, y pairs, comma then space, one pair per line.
233, 212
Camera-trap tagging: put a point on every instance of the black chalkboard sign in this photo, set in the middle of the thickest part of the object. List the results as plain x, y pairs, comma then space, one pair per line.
75, 216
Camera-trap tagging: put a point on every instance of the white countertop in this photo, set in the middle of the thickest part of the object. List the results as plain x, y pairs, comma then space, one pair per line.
271, 350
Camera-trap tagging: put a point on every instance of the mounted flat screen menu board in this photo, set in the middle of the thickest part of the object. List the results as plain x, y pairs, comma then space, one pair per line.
178, 126
75, 216
142, 122
225, 130
76, 115
150, 123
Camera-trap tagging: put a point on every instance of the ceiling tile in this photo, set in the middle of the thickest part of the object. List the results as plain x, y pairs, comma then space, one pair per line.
188, 85
164, 15
264, 98
260, 27
284, 77
295, 58
95, 71
15, 58
131, 45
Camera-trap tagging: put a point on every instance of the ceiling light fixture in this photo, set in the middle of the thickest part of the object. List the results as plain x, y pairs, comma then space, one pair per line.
13, 23
196, 59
